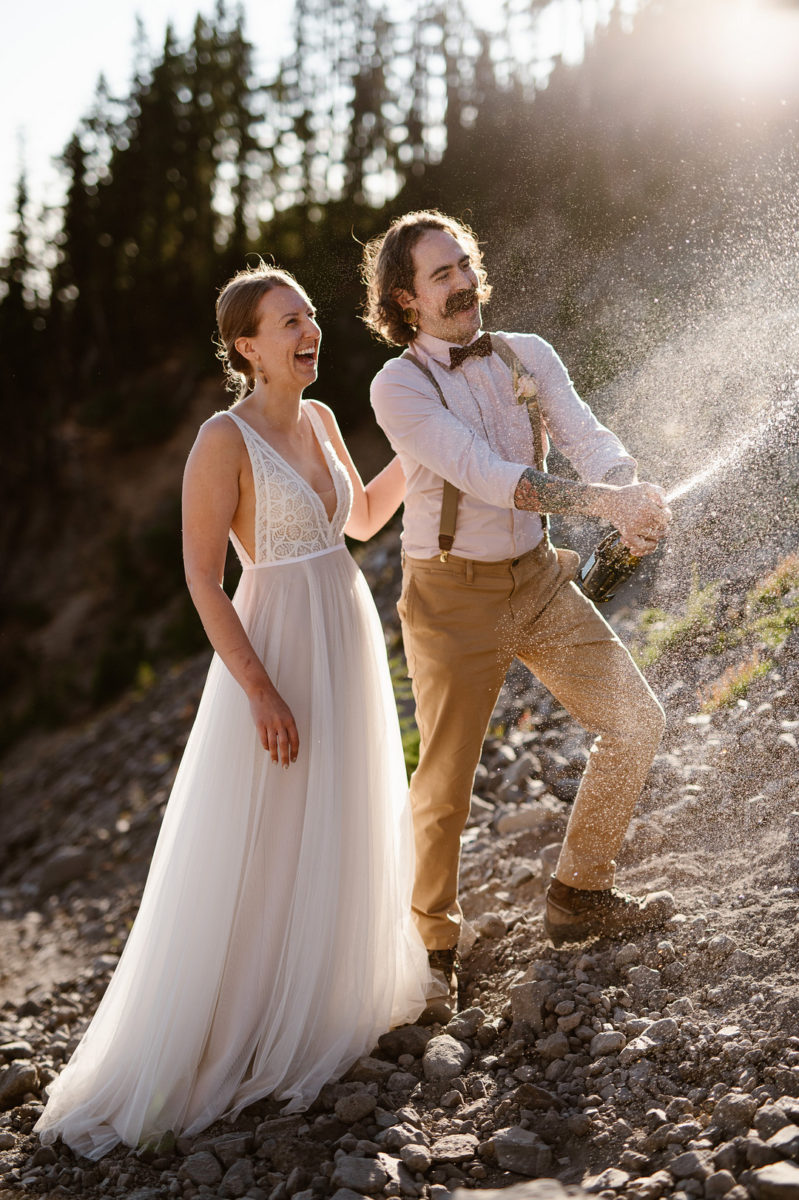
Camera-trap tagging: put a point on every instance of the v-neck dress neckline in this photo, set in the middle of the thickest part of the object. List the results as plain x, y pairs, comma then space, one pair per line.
265, 442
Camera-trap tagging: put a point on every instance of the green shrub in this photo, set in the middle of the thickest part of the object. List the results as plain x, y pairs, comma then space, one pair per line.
663, 632
735, 682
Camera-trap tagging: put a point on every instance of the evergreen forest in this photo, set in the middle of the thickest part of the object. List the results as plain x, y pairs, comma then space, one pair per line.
580, 180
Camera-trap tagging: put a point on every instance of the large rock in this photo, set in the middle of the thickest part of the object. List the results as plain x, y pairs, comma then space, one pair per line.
718, 1184
530, 1095
607, 1042
653, 1039
780, 1181
734, 1113
359, 1174
466, 1024
522, 1151
401, 1081
527, 1002
13, 1050
522, 818
490, 925
237, 1180
690, 1165
371, 1070
356, 1107
454, 1148
18, 1078
68, 863
534, 1189
525, 766
444, 1058
611, 1178
628, 955
278, 1127
416, 1157
408, 1039
231, 1147
719, 947
397, 1136
650, 1187
398, 1175
663, 1032
785, 1141
556, 1045
202, 1167
768, 1119
643, 980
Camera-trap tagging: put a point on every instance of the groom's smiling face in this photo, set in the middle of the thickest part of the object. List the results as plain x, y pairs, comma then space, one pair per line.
445, 288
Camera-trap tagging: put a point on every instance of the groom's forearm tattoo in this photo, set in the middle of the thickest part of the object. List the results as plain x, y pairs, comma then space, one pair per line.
538, 492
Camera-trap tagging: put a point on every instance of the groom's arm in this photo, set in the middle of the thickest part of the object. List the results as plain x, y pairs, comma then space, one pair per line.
425, 433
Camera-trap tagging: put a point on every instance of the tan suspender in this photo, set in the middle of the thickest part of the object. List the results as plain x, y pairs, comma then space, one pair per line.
517, 369
451, 495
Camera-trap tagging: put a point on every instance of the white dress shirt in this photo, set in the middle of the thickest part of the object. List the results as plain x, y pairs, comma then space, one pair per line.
482, 442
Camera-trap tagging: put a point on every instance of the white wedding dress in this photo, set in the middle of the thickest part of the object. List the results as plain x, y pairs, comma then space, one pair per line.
274, 941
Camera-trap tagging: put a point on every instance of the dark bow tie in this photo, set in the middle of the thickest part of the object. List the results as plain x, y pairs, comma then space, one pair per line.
481, 349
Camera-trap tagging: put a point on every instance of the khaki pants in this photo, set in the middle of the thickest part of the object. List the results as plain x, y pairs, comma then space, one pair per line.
463, 622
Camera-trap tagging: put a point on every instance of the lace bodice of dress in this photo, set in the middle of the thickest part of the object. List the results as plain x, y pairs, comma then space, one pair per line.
290, 518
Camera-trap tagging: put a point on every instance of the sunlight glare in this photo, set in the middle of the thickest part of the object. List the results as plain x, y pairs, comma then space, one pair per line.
751, 50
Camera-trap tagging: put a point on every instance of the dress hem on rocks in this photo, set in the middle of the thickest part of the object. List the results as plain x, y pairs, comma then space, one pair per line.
274, 942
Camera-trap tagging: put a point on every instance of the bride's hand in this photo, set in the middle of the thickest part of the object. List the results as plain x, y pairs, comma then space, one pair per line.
277, 730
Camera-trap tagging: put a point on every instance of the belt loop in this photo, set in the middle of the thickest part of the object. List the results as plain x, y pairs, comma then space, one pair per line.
469, 571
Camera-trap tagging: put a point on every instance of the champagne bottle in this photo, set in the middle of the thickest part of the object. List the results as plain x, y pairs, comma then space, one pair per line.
604, 571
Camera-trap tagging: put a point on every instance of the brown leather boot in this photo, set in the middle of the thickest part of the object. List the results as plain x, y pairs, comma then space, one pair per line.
574, 914
442, 996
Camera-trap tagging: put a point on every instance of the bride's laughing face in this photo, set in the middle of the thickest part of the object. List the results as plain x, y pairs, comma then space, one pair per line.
285, 348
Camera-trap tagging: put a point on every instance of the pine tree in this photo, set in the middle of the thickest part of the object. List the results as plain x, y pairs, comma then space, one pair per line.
25, 408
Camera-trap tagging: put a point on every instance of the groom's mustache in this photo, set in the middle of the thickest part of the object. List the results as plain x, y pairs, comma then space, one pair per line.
459, 301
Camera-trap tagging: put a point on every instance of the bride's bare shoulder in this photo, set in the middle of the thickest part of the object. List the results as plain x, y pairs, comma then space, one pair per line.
220, 432
218, 444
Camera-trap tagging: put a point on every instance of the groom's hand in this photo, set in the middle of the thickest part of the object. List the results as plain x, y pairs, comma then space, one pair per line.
639, 512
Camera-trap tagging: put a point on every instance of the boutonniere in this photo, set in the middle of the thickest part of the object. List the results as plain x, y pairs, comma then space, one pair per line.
525, 388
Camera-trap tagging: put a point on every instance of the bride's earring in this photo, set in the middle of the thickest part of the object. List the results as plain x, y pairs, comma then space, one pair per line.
260, 372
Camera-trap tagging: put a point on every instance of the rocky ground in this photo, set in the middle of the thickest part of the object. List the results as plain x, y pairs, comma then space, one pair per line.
667, 1066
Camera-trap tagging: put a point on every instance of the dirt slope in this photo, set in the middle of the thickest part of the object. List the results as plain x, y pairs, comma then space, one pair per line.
668, 1066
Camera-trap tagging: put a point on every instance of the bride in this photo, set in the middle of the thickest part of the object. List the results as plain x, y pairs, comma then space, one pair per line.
274, 942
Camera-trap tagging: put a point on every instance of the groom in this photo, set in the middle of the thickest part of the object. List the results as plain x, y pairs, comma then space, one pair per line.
468, 413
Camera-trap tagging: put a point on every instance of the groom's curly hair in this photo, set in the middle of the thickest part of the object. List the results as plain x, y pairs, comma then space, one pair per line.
387, 268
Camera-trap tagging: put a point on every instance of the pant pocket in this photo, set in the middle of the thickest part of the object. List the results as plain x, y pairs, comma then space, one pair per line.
568, 563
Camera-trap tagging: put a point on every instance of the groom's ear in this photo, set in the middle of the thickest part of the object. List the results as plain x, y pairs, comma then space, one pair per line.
404, 299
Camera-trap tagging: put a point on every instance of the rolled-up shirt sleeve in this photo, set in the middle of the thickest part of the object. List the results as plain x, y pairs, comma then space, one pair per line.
418, 426
592, 448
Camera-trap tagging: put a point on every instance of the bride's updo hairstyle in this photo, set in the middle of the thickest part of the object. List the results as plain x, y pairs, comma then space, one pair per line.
237, 316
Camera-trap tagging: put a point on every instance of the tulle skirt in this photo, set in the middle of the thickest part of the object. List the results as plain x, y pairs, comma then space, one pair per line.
274, 942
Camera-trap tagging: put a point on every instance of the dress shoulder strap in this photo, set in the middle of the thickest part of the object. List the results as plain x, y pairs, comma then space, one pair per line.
248, 434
